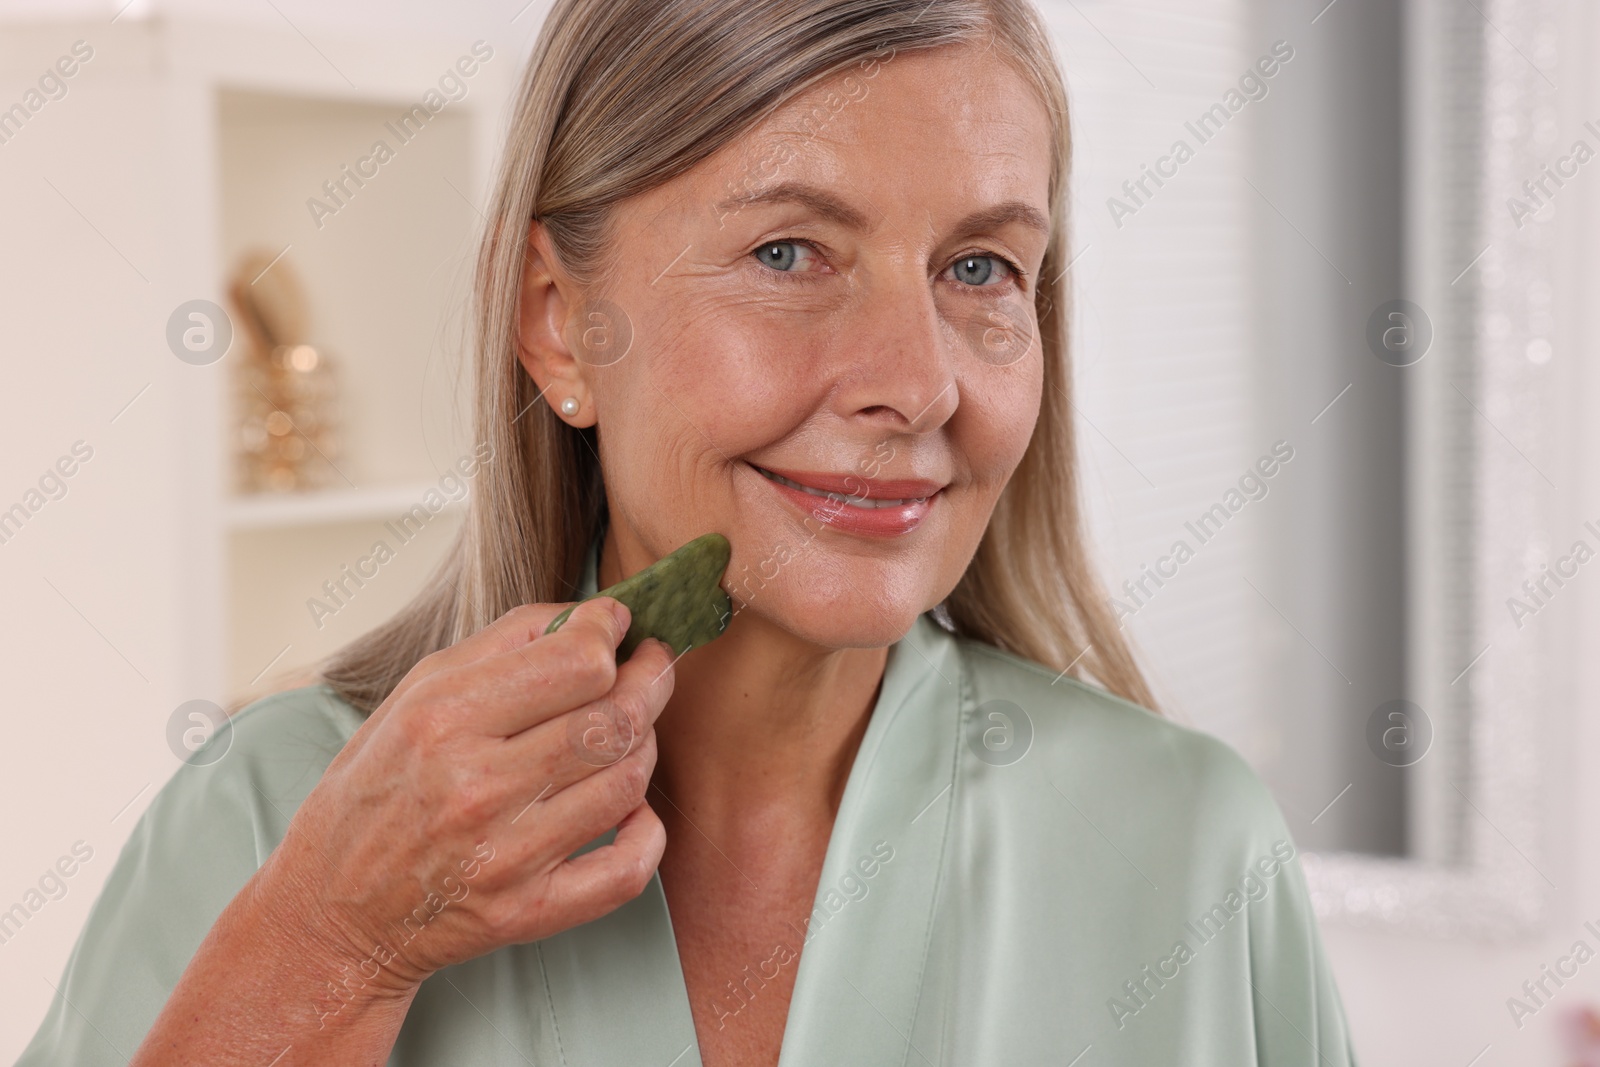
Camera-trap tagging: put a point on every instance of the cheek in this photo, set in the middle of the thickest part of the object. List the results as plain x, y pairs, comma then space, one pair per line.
736, 376
700, 387
995, 422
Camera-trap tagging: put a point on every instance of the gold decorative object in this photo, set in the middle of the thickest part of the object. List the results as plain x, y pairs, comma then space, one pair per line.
286, 439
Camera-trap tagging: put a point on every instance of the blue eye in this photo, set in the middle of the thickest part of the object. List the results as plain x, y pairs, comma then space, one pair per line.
799, 257
977, 270
784, 255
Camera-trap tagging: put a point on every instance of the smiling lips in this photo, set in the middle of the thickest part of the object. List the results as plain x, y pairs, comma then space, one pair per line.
857, 503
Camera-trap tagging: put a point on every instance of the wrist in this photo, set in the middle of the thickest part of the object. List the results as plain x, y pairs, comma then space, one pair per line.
342, 964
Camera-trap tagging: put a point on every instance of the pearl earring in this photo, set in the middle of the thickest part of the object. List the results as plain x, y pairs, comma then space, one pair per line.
569, 406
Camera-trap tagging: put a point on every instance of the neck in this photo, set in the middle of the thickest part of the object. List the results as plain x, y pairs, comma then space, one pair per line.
762, 724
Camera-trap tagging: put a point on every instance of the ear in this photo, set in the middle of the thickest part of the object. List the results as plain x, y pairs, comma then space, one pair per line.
545, 301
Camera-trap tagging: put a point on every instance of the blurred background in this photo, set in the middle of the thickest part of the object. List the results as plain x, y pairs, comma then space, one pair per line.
1333, 358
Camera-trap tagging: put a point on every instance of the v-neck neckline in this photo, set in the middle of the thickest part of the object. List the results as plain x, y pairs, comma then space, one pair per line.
855, 996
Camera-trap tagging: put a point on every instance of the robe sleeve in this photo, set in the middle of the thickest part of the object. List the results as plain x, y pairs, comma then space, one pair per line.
203, 836
1299, 1018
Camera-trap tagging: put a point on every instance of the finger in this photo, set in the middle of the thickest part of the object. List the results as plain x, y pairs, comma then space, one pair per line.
567, 819
509, 692
605, 878
538, 762
567, 748
515, 629
520, 626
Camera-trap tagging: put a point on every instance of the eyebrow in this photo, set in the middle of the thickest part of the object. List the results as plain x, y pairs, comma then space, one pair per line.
830, 207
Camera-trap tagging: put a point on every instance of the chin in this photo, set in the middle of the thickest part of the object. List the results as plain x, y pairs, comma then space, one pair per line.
823, 601
839, 627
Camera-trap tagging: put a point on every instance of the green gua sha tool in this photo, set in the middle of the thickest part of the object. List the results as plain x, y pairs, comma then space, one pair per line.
678, 599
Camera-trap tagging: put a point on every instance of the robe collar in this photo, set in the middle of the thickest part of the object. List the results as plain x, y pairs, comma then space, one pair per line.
865, 944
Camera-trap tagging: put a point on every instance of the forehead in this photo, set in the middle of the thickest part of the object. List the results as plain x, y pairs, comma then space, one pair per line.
967, 93
943, 125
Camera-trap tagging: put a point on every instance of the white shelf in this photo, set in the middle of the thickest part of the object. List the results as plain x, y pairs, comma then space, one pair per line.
274, 510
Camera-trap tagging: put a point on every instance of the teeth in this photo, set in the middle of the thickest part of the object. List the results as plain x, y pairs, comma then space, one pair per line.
840, 497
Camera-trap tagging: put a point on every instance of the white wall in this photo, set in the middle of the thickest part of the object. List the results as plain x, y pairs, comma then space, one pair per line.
1425, 1001
96, 648
114, 595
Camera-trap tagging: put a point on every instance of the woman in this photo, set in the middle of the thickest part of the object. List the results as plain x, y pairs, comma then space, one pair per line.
789, 270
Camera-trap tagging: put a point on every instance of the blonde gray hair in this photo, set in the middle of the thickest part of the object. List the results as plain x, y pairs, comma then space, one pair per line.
620, 96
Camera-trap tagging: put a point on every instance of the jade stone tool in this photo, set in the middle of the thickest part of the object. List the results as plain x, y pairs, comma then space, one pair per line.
678, 599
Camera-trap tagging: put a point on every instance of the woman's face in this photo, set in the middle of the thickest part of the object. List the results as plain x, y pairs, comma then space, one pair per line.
835, 296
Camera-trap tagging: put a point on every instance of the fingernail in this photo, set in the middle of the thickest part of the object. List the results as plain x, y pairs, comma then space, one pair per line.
623, 615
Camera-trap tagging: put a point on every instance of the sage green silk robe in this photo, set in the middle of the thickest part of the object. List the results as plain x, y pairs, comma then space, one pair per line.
1024, 870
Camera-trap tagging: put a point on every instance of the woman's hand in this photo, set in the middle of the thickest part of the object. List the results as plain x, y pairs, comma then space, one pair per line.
445, 828
441, 831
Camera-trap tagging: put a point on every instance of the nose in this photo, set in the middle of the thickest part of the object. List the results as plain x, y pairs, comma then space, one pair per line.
898, 367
